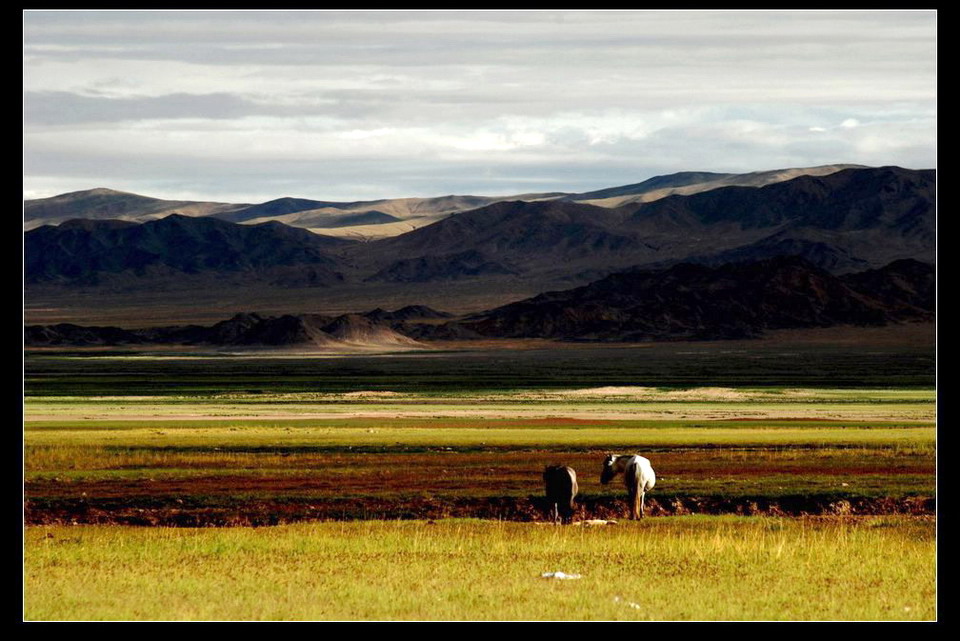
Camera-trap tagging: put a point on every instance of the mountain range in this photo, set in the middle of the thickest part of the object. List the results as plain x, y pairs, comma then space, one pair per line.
850, 219
376, 218
841, 221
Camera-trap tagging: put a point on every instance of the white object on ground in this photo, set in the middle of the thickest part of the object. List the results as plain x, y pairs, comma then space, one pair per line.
559, 575
635, 606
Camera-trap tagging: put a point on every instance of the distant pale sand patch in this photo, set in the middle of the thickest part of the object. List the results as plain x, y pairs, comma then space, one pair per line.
371, 394
610, 391
653, 393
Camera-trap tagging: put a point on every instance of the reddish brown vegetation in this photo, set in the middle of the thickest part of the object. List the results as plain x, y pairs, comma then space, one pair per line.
495, 485
259, 513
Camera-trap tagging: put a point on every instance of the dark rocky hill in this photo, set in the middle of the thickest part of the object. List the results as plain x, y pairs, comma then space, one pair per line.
738, 300
506, 237
84, 251
852, 199
468, 264
242, 330
410, 312
906, 287
684, 302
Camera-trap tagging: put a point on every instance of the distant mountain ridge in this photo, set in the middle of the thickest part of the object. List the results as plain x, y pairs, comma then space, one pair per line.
370, 330
278, 207
332, 215
101, 204
845, 221
684, 302
688, 183
888, 195
671, 181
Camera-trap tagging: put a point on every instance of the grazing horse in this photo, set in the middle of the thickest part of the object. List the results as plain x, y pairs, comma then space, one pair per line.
561, 483
638, 476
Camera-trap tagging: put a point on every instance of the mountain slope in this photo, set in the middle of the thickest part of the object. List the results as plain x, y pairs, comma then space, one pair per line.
100, 204
846, 200
850, 219
657, 183
273, 208
687, 183
84, 251
847, 220
468, 264
514, 236
732, 301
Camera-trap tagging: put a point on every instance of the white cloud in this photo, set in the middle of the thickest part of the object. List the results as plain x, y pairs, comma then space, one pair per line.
586, 98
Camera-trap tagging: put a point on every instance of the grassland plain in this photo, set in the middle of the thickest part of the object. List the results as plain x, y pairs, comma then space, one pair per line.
351, 460
672, 568
255, 459
899, 357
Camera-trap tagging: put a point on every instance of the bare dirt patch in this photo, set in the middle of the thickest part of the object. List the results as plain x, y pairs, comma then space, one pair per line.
260, 513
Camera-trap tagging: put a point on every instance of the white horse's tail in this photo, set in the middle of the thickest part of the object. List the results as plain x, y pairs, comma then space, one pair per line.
634, 482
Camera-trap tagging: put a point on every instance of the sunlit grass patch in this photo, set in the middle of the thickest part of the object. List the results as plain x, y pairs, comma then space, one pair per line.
678, 568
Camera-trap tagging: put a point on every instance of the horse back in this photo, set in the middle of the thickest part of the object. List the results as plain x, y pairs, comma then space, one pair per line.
561, 481
639, 474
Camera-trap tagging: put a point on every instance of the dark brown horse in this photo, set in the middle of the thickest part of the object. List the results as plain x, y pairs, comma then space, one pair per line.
561, 485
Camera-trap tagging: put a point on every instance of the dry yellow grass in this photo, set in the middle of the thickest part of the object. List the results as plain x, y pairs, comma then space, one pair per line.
666, 569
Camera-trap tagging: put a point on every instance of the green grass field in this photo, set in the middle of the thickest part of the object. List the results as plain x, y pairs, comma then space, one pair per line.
396, 489
705, 443
672, 568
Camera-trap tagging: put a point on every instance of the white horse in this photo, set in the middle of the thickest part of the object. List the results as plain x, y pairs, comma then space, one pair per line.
638, 476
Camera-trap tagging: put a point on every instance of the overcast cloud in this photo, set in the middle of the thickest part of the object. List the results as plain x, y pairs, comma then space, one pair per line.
246, 106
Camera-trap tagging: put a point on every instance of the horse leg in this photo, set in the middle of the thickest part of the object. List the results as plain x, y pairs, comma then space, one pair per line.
642, 494
633, 504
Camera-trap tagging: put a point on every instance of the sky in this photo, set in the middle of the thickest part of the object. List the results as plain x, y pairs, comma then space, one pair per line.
248, 106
